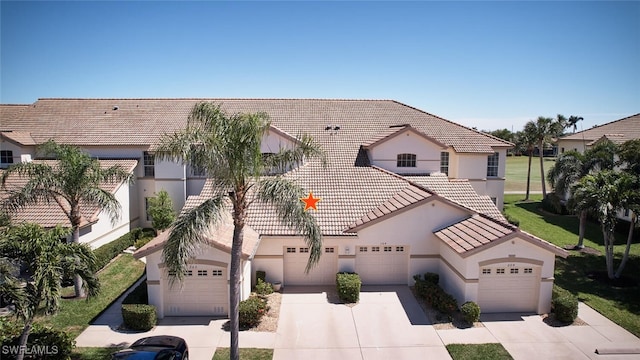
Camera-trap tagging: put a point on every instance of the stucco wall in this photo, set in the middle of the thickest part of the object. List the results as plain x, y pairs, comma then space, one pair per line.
104, 231
427, 153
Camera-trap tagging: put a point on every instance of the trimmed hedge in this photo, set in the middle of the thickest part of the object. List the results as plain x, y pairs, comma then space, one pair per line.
433, 294
139, 295
564, 304
348, 285
251, 311
432, 278
470, 311
107, 252
50, 344
139, 316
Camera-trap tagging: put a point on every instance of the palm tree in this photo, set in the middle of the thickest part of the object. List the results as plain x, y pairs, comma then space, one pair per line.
573, 122
227, 147
629, 154
527, 140
606, 193
572, 166
75, 181
46, 259
544, 129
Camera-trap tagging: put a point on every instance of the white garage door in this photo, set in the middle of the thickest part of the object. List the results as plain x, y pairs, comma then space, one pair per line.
382, 265
509, 288
295, 262
203, 292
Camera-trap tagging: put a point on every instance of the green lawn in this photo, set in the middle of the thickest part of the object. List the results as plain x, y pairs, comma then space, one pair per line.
516, 173
478, 352
74, 315
620, 304
93, 353
245, 354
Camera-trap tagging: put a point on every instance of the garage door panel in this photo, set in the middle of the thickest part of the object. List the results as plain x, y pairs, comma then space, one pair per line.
509, 288
203, 293
382, 265
295, 264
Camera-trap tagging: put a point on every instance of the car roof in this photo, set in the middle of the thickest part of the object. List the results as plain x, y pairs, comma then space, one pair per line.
159, 341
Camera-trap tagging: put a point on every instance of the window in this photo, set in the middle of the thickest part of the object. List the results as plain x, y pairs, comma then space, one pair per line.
328, 250
499, 271
198, 171
626, 212
399, 248
291, 250
406, 160
363, 249
444, 162
562, 150
528, 270
216, 272
149, 164
304, 250
6, 156
492, 164
375, 249
486, 271
146, 208
189, 273
387, 249
514, 270
202, 272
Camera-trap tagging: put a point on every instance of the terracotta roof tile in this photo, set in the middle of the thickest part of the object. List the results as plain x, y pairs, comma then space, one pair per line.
50, 214
20, 137
627, 128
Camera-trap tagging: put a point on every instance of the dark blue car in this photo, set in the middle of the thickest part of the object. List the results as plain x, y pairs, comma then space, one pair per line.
155, 348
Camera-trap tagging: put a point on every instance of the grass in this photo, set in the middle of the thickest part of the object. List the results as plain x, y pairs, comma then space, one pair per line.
516, 173
245, 354
93, 353
619, 304
477, 351
75, 314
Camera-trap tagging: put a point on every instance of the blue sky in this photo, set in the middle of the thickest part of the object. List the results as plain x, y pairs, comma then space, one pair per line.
484, 64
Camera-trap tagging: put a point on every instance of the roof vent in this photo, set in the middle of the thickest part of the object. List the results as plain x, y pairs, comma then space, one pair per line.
397, 126
337, 127
328, 127
116, 107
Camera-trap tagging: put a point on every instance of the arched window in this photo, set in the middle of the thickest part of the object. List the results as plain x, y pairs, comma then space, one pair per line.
406, 160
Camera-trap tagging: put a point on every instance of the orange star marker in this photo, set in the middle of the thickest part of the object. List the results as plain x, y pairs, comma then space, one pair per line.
310, 202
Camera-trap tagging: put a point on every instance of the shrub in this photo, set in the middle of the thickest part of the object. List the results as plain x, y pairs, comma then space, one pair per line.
142, 242
56, 344
432, 278
139, 316
139, 295
470, 311
348, 285
261, 275
263, 288
565, 304
251, 311
554, 204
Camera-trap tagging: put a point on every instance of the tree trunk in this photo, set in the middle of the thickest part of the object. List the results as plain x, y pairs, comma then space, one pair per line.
24, 337
529, 174
236, 260
582, 228
625, 256
77, 280
608, 250
544, 187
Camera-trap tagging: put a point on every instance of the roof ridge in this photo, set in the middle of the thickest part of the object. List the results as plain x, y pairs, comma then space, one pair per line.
599, 126
212, 98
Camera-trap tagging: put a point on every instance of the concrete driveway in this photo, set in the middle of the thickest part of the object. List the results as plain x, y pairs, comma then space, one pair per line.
386, 323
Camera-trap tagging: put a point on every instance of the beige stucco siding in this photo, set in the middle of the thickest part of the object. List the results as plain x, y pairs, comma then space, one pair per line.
427, 153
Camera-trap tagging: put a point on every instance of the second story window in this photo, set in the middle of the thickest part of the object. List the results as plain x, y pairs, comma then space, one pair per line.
6, 156
492, 165
444, 162
149, 164
406, 160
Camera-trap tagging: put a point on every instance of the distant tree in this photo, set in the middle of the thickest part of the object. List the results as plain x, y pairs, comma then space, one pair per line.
504, 134
47, 259
528, 140
161, 211
544, 129
74, 181
572, 122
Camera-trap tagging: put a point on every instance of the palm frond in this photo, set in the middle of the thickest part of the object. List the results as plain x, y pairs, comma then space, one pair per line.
188, 233
285, 196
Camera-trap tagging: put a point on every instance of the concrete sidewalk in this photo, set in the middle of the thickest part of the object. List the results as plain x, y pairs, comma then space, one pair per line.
386, 323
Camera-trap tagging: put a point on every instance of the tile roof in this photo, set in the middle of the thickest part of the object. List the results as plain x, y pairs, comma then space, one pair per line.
50, 214
20, 137
470, 235
397, 131
459, 191
220, 237
627, 128
10, 111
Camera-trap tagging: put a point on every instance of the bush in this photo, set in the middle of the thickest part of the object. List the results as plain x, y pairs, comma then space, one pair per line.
263, 288
139, 316
565, 304
142, 242
261, 275
251, 311
139, 295
554, 204
434, 295
348, 285
432, 278
470, 311
54, 344
107, 252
